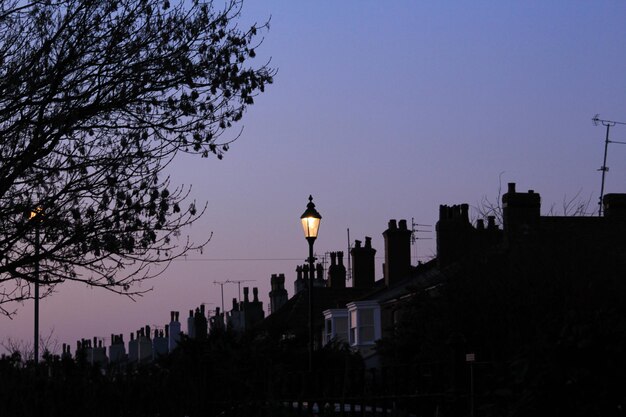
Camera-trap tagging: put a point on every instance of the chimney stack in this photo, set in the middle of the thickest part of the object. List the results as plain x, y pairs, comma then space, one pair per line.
398, 251
363, 266
520, 213
336, 271
614, 206
278, 294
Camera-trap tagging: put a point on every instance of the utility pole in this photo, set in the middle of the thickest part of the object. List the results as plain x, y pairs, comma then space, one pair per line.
609, 124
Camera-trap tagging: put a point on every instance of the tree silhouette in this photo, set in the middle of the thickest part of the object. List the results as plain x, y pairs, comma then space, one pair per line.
96, 99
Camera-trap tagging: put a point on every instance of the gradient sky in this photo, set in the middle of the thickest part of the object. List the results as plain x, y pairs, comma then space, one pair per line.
382, 110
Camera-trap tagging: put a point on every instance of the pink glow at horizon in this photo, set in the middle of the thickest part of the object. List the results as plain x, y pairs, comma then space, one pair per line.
381, 110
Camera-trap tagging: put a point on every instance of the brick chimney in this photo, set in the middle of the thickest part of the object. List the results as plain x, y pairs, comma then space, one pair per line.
520, 213
300, 283
336, 271
454, 233
319, 281
614, 206
278, 294
363, 267
397, 252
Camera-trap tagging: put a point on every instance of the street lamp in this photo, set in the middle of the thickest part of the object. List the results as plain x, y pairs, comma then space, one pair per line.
35, 216
310, 224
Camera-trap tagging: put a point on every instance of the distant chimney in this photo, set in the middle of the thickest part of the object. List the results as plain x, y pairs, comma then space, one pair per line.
255, 295
191, 325
300, 283
520, 213
614, 206
397, 252
363, 266
278, 294
336, 271
454, 233
319, 273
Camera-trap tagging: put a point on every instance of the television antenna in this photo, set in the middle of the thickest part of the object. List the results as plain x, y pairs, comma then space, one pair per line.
238, 282
419, 228
221, 284
609, 124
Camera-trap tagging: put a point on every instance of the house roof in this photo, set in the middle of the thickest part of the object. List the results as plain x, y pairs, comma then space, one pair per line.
421, 277
294, 315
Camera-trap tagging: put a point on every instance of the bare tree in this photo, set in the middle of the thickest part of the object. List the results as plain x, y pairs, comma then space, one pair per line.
97, 97
575, 206
49, 345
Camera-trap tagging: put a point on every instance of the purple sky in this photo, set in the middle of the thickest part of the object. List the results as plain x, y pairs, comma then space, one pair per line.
382, 110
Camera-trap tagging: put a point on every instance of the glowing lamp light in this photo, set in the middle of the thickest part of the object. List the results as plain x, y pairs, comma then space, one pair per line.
34, 213
310, 220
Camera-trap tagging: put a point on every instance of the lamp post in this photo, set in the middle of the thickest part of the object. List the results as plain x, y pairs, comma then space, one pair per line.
310, 224
33, 214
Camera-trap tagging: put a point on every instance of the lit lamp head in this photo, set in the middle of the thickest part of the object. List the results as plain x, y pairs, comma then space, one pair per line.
34, 213
310, 220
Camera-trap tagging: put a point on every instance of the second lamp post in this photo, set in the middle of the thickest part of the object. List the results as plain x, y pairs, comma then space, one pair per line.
311, 224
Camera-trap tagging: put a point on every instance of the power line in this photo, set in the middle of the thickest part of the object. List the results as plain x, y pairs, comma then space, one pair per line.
236, 259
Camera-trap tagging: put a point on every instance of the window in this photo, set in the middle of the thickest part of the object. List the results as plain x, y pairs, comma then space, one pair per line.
341, 329
328, 334
364, 323
335, 325
353, 327
366, 326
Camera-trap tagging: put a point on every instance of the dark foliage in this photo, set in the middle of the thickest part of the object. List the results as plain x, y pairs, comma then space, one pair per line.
96, 99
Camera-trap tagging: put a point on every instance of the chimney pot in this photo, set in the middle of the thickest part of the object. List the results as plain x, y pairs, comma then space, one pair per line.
511, 189
465, 212
392, 224
319, 269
